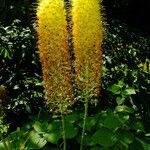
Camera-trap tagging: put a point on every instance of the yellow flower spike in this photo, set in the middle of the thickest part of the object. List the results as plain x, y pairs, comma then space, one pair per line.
54, 52
87, 37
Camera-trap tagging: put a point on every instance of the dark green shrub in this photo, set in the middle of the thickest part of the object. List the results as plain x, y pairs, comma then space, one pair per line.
125, 54
20, 70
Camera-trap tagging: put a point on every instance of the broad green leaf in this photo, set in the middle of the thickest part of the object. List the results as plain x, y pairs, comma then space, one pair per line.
17, 138
52, 137
125, 136
115, 89
120, 100
120, 108
121, 83
136, 145
87, 141
35, 141
145, 143
104, 137
97, 148
27, 126
43, 115
123, 118
138, 126
129, 91
90, 122
38, 126
129, 110
54, 125
70, 130
11, 144
100, 119
140, 144
2, 147
72, 118
112, 122
124, 108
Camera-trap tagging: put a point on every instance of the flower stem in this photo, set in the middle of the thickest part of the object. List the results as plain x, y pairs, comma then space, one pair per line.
84, 121
63, 126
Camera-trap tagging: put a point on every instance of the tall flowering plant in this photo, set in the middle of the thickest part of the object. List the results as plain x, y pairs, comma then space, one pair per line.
87, 36
54, 49
54, 52
61, 32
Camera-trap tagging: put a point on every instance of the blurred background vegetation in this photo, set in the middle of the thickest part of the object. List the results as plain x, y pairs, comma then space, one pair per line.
126, 59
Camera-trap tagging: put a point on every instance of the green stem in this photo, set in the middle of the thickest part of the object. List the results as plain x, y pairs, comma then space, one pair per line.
84, 121
63, 126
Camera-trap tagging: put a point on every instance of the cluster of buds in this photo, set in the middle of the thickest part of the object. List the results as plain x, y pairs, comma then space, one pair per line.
55, 50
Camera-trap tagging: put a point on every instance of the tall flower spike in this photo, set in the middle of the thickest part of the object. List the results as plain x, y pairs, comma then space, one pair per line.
87, 36
54, 52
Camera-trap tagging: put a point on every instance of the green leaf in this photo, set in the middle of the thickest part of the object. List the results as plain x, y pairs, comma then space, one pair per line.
39, 127
112, 122
138, 126
52, 137
87, 141
43, 115
90, 122
2, 147
145, 143
72, 118
17, 138
97, 148
121, 83
120, 100
136, 145
70, 130
124, 109
125, 136
104, 137
129, 91
100, 119
120, 108
27, 126
140, 144
54, 125
35, 141
115, 89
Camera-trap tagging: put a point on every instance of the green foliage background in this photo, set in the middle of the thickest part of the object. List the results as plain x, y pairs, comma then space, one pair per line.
121, 119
